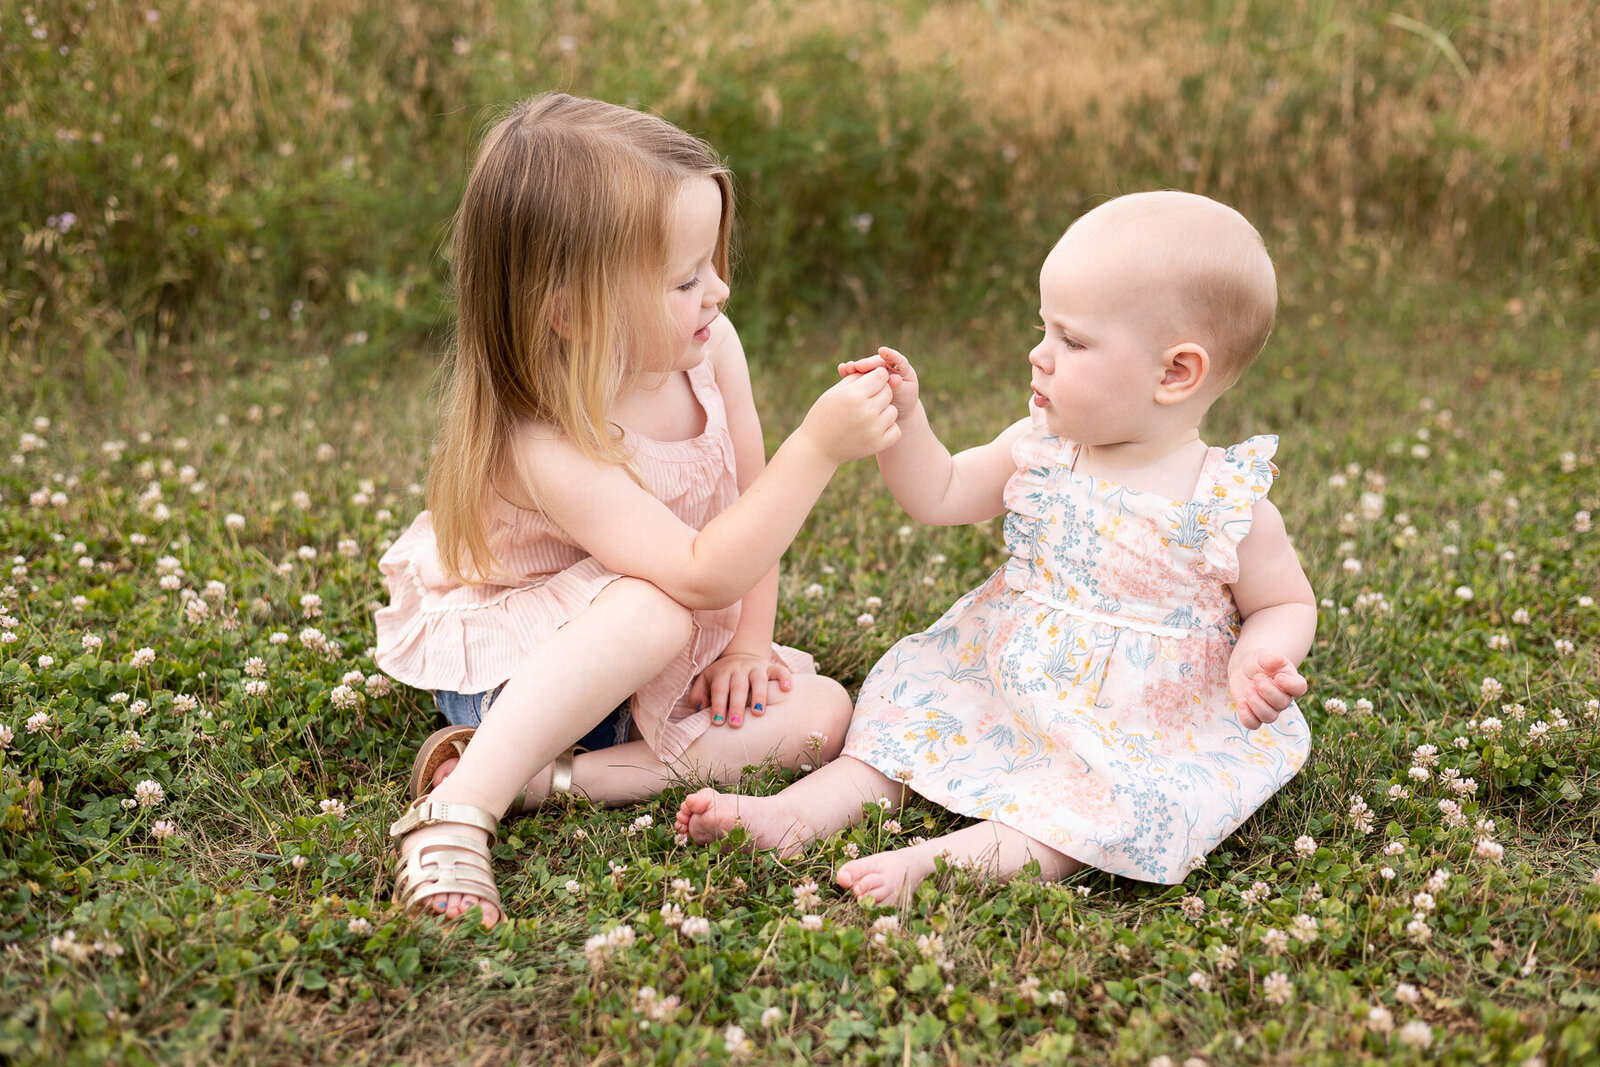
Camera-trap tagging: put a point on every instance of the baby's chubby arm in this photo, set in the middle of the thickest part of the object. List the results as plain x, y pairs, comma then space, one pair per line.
1280, 619
933, 486
631, 532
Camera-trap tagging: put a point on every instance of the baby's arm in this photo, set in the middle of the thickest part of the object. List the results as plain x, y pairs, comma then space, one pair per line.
933, 486
1280, 618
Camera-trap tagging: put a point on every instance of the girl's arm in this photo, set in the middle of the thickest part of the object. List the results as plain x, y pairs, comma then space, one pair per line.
631, 532
1280, 619
739, 677
933, 486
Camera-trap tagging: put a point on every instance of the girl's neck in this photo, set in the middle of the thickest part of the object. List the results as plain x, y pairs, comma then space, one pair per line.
1169, 467
662, 407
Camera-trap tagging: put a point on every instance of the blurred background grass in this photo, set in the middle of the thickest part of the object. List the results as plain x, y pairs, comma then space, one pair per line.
183, 171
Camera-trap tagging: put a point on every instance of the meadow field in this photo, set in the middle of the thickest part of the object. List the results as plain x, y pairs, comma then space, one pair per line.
223, 298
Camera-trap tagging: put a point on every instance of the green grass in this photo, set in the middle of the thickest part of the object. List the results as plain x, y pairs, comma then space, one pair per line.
1476, 416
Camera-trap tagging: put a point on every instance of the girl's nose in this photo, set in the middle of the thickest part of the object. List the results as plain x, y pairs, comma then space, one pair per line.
716, 290
1040, 358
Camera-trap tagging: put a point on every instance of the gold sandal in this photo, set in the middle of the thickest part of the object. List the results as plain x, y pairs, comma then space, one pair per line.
450, 742
454, 864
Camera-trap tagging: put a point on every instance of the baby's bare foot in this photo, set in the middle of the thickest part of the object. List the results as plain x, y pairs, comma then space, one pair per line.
888, 877
709, 816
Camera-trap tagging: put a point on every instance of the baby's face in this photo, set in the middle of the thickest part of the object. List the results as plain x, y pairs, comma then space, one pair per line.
1096, 369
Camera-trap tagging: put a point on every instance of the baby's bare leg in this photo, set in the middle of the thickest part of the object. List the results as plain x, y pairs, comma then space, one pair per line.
997, 850
822, 803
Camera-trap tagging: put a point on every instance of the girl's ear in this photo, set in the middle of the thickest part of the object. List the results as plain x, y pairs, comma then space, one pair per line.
561, 314
1185, 368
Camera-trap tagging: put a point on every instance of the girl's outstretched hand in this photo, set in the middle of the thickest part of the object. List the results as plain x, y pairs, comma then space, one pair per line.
1263, 684
902, 379
855, 418
737, 685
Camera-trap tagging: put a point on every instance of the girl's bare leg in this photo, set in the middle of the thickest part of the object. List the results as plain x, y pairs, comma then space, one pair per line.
629, 773
817, 806
999, 850
569, 683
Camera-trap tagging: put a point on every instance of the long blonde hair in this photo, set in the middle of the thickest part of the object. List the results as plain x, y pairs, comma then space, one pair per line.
565, 214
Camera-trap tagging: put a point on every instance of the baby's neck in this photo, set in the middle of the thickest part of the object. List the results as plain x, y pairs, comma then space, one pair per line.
1162, 468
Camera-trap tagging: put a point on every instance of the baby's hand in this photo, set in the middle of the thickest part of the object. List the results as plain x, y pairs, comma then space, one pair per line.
1263, 684
855, 418
902, 379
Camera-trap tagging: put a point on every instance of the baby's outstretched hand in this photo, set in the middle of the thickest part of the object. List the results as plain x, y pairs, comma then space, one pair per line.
902, 379
1263, 684
855, 418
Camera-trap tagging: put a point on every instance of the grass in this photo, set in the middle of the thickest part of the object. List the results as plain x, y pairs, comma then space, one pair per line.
1437, 440
221, 296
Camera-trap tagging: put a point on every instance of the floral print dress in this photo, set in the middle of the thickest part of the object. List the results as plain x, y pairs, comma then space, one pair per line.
1080, 695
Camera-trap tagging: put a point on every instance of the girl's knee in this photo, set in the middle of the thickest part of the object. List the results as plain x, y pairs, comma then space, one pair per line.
833, 715
668, 624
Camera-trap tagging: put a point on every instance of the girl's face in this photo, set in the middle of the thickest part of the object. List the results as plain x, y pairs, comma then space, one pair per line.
1096, 369
695, 293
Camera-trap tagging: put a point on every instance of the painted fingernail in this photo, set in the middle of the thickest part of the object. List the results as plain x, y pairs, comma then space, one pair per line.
734, 722
716, 719
700, 706
758, 707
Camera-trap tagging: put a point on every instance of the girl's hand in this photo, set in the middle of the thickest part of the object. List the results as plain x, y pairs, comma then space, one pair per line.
1263, 684
855, 418
736, 685
902, 379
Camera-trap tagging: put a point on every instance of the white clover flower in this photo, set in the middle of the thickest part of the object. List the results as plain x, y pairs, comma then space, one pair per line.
148, 793
1464, 592
1386, 873
45, 662
1363, 707
814, 590
255, 687
5, 737
344, 698
810, 922
1192, 907
1521, 617
359, 926
233, 521
142, 658
1379, 1020
1305, 846
865, 619
1200, 980
695, 926
39, 720
771, 1017
1274, 940
1277, 988
1335, 706
162, 829
1490, 688
1416, 1034
332, 807
1304, 928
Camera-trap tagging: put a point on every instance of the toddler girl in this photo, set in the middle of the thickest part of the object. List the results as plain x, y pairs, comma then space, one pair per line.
600, 527
1121, 692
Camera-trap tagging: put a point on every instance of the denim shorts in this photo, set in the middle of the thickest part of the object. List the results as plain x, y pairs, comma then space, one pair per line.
467, 709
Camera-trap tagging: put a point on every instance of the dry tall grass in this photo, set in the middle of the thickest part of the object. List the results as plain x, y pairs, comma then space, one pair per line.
225, 154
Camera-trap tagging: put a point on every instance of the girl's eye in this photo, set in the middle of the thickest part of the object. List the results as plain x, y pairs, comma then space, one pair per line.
690, 284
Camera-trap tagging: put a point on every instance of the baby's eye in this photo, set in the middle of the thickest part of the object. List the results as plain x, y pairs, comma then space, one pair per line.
1071, 342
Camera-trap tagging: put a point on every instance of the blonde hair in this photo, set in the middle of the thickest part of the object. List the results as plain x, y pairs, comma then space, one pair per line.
1209, 263
565, 214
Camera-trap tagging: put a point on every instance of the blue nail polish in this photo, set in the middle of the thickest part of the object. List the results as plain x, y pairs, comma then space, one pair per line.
716, 718
758, 707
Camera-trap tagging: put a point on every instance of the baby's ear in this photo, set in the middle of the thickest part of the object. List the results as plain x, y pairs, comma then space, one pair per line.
1185, 368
